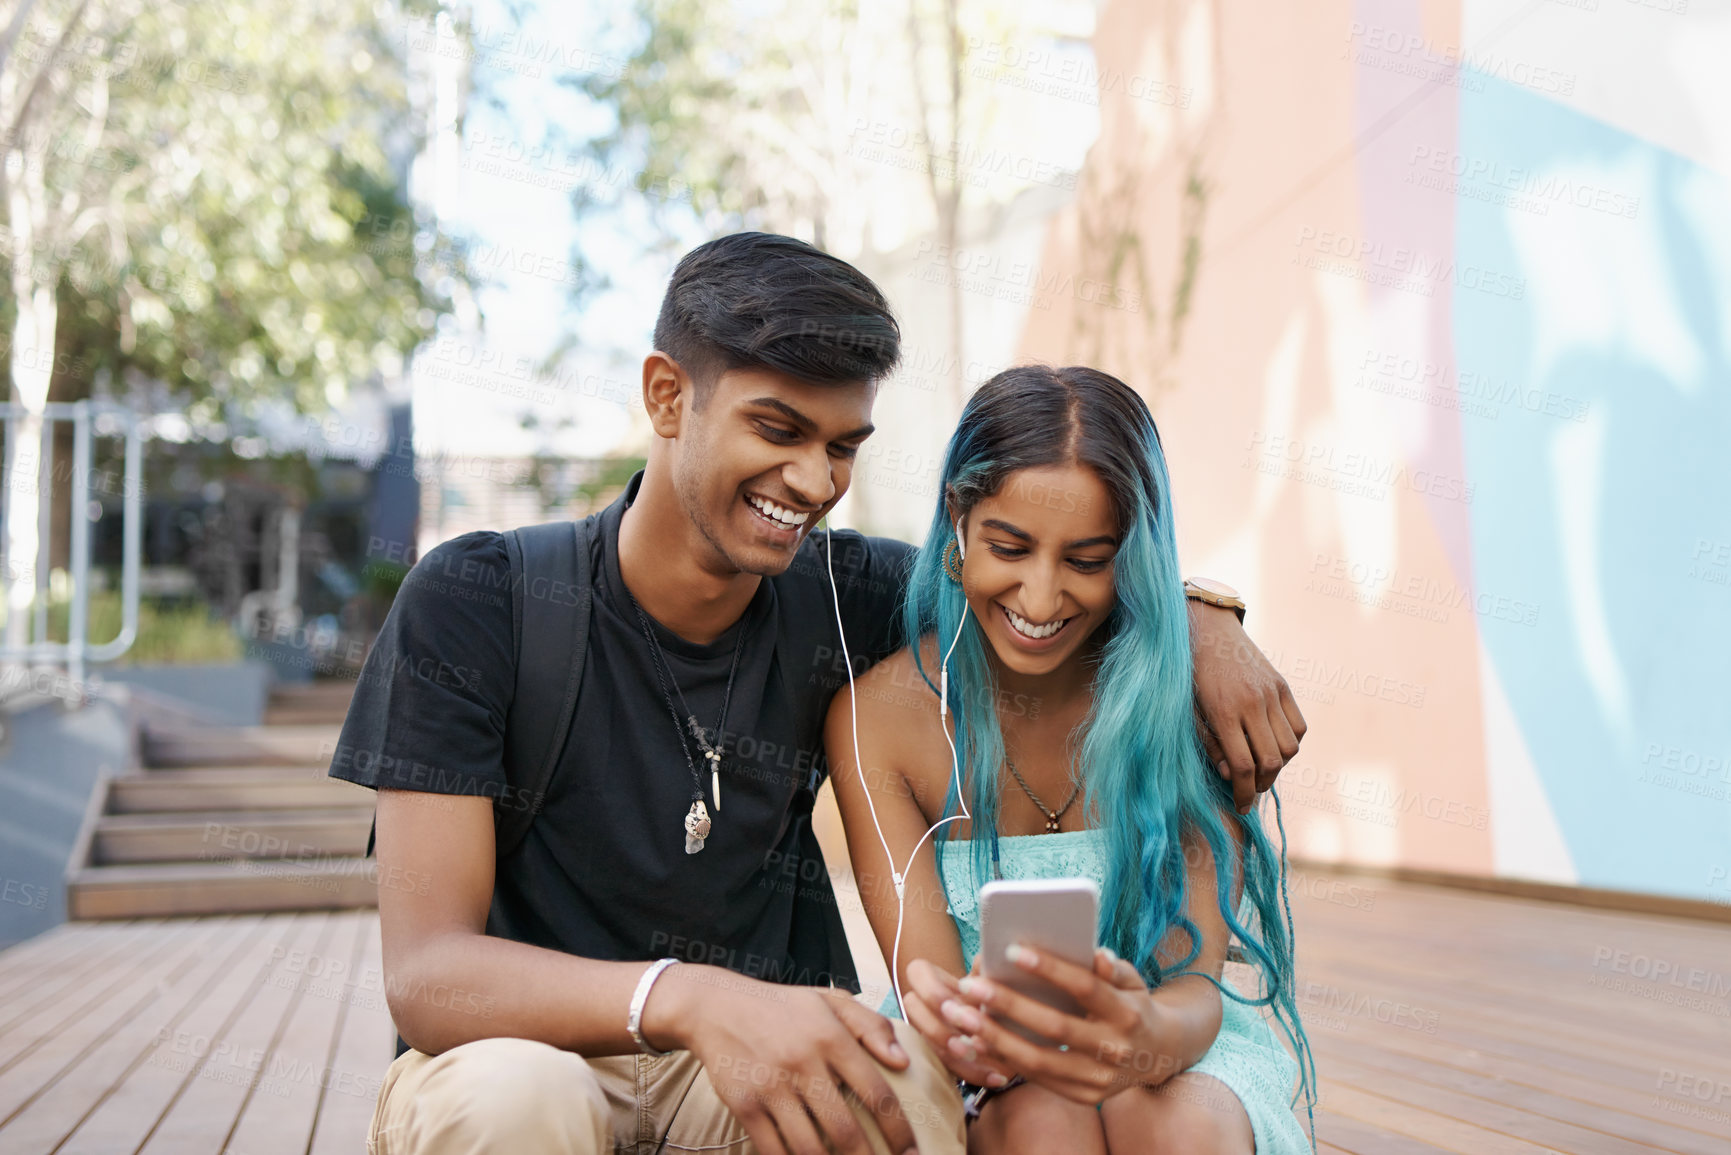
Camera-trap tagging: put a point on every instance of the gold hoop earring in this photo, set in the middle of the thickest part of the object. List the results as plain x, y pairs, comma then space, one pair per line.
953, 562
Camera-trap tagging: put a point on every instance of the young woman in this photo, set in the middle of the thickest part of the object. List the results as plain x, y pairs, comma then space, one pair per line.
1049, 584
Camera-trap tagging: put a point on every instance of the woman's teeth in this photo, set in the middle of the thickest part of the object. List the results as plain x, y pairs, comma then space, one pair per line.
1029, 630
775, 512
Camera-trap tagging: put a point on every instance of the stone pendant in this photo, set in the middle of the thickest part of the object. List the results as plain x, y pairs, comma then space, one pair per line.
696, 826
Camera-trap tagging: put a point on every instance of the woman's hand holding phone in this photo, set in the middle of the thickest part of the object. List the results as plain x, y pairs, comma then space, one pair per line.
927, 990
1115, 1045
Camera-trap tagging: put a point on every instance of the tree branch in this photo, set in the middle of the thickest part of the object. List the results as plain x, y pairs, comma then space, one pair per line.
13, 28
47, 70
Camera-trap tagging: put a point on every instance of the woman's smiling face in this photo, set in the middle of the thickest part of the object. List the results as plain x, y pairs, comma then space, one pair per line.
1038, 572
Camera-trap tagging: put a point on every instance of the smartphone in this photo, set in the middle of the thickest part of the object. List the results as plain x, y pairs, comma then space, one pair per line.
1057, 915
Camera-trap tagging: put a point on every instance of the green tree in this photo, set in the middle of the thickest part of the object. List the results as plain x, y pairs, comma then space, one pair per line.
827, 120
209, 196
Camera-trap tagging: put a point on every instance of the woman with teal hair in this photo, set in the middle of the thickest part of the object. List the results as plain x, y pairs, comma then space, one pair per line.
1053, 623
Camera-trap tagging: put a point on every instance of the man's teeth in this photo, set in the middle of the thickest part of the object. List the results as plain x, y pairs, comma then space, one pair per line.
775, 512
1029, 629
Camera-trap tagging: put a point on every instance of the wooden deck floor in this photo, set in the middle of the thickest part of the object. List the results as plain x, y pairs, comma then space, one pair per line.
1451, 1021
247, 1034
1442, 1021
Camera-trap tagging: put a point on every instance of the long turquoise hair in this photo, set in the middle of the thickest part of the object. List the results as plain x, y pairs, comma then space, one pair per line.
1146, 783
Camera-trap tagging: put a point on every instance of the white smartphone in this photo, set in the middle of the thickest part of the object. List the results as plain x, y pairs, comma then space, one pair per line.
1056, 915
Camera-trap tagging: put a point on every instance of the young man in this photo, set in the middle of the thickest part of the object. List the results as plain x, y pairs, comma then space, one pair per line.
675, 825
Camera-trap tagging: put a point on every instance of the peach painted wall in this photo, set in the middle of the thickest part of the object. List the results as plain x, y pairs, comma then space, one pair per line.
1389, 425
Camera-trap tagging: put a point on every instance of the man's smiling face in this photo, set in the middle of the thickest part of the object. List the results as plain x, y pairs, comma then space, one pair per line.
762, 457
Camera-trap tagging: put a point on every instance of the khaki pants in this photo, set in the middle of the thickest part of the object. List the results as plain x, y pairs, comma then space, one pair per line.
516, 1095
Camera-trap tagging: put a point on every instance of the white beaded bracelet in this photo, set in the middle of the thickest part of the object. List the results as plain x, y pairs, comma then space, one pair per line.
634, 1017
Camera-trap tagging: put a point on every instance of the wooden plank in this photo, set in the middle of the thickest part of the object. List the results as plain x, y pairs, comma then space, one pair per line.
1576, 944
1524, 1055
278, 1118
1560, 949
317, 704
1637, 1129
1628, 1046
63, 980
1498, 932
221, 834
1566, 1084
1593, 1065
25, 963
309, 744
54, 1110
220, 1085
1561, 999
301, 715
1446, 924
326, 709
41, 1061
338, 689
128, 1111
94, 807
1566, 1024
1441, 1130
1599, 1061
1357, 1138
30, 1031
1553, 1134
193, 888
364, 1051
1439, 918
1581, 896
195, 790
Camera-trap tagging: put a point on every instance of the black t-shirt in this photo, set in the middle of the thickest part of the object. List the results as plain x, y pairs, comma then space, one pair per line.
602, 872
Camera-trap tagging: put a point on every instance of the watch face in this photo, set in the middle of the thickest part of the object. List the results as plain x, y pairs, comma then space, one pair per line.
1218, 589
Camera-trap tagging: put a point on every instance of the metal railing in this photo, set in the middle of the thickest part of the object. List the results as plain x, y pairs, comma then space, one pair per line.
77, 651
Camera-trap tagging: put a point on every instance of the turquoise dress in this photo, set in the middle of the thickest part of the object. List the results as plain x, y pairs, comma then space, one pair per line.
1246, 1055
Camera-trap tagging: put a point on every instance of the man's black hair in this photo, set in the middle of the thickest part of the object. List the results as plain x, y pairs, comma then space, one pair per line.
758, 300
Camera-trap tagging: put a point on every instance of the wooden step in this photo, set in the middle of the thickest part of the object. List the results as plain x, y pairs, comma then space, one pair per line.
305, 715
304, 745
251, 769
177, 836
194, 888
302, 693
313, 702
156, 791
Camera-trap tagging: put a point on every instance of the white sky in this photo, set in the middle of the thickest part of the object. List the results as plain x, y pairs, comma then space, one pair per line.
513, 201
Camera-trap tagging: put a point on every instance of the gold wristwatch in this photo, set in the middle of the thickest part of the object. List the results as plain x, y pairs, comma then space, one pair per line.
1214, 593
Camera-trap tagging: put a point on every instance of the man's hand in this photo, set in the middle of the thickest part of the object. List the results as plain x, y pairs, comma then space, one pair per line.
928, 988
781, 1057
1249, 723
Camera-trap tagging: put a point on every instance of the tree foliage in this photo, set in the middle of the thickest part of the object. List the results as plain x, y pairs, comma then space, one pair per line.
220, 190
857, 126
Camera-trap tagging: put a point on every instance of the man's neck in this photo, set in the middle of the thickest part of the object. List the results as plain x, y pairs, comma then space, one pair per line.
672, 571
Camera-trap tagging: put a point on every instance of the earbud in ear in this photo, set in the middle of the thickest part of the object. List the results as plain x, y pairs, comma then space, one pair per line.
961, 547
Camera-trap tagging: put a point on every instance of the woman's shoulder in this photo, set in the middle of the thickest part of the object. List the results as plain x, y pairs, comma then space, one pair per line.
893, 703
899, 683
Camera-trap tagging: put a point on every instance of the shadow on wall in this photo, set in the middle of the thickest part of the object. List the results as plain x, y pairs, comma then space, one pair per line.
1619, 690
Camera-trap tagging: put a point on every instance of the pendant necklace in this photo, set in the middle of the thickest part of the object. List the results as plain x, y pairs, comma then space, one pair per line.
697, 823
1052, 816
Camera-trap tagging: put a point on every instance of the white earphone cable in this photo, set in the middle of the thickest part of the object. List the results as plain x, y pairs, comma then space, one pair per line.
898, 877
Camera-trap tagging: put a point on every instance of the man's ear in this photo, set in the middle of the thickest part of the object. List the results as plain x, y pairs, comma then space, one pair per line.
667, 394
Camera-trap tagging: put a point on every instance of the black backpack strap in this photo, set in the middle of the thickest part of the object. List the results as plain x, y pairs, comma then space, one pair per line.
550, 596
